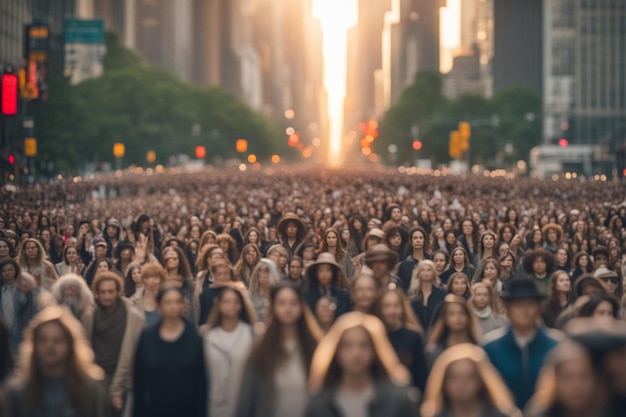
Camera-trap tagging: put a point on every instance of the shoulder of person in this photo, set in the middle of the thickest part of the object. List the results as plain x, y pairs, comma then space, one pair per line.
493, 336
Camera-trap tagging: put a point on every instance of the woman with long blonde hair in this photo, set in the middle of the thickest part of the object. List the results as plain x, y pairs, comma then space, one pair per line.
355, 365
56, 374
425, 293
464, 383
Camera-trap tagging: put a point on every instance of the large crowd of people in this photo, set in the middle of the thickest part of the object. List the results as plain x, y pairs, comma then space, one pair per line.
299, 291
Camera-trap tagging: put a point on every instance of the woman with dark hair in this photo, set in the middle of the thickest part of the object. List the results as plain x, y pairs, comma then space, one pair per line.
559, 297
469, 239
507, 263
56, 373
404, 333
228, 337
441, 259
462, 383
355, 372
223, 276
396, 238
603, 305
275, 378
506, 233
132, 281
534, 240
71, 263
253, 237
451, 240
167, 382
539, 265
459, 262
454, 325
487, 245
358, 230
552, 235
124, 255
331, 243
489, 274
210, 255
178, 274
249, 258
229, 246
563, 262
7, 250
325, 277
295, 272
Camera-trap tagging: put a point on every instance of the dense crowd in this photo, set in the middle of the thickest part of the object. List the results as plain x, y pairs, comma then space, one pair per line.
299, 291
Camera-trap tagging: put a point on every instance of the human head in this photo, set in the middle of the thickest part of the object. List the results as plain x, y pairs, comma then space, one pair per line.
364, 290
456, 316
459, 284
231, 302
108, 288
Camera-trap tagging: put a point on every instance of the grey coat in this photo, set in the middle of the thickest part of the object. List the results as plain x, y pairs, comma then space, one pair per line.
389, 401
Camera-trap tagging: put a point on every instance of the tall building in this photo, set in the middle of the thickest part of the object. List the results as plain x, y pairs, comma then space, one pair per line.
518, 50
585, 72
427, 14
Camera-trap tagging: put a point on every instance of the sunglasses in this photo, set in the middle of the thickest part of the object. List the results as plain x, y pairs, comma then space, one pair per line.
612, 280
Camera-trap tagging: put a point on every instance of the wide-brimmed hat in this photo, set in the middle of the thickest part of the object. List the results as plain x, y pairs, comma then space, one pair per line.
324, 258
290, 218
552, 226
381, 252
521, 289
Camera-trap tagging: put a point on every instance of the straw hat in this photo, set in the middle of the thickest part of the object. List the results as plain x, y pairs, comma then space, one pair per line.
324, 258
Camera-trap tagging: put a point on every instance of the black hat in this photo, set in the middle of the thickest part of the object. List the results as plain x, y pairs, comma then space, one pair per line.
123, 245
520, 289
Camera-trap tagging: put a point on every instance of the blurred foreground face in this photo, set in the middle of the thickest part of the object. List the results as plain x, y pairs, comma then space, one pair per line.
52, 345
575, 382
172, 305
456, 319
229, 305
364, 292
604, 310
523, 313
355, 353
287, 308
462, 383
391, 310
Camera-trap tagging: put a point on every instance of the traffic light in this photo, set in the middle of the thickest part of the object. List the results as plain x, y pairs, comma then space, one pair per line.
455, 145
10, 92
11, 159
200, 152
417, 145
563, 143
465, 130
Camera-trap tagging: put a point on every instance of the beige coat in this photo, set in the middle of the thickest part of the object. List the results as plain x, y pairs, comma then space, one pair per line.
135, 322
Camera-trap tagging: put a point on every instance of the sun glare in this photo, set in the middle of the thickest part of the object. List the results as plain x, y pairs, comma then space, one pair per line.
336, 17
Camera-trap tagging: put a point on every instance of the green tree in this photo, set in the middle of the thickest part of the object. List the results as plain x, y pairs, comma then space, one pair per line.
146, 108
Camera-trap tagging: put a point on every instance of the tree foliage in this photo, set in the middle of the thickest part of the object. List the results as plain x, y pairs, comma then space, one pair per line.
511, 117
146, 108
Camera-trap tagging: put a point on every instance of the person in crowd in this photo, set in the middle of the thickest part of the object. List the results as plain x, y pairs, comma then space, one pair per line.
178, 274
600, 255
601, 306
425, 293
418, 252
229, 247
464, 383
552, 235
506, 231
396, 238
265, 276
291, 231
166, 382
568, 385
374, 237
223, 276
72, 291
325, 313
71, 262
113, 330
559, 297
404, 333
382, 261
7, 250
563, 261
469, 240
521, 348
124, 256
484, 302
441, 259
18, 306
459, 284
326, 278
605, 341
307, 251
279, 255
250, 257
56, 374
459, 262
539, 265
358, 231
588, 285
363, 292
612, 283
331, 243
31, 258
275, 377
227, 338
132, 280
454, 325
112, 236
210, 254
486, 246
581, 265
295, 272
90, 270
355, 372
488, 273
152, 278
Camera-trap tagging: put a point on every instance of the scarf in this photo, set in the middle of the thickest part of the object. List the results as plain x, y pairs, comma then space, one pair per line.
108, 332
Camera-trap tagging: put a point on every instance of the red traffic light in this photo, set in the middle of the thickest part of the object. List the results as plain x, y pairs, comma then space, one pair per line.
11, 159
10, 93
200, 152
563, 143
417, 145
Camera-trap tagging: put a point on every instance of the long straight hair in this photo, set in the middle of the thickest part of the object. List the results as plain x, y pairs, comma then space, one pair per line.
269, 352
439, 333
246, 314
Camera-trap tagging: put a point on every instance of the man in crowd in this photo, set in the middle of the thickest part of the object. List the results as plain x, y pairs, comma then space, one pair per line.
71, 291
518, 351
114, 329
